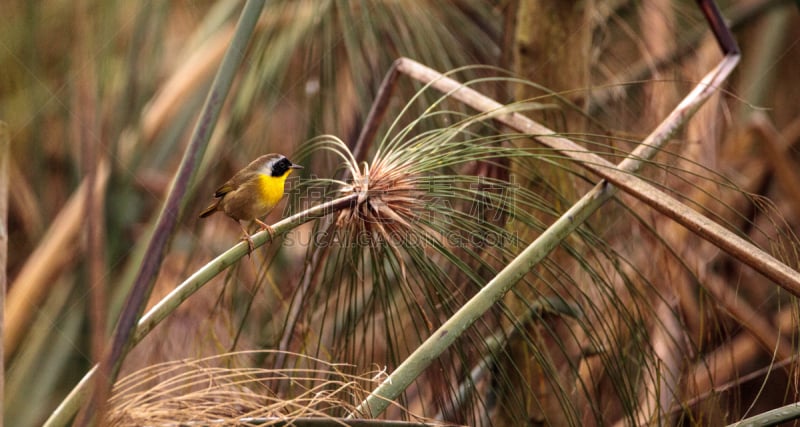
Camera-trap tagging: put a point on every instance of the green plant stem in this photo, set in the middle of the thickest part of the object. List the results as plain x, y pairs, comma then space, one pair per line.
443, 337
228, 258
70, 405
170, 213
772, 417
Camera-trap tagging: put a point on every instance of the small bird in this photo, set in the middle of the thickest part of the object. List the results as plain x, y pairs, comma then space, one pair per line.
253, 192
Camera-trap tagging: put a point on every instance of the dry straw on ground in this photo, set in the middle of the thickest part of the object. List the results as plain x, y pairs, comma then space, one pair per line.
227, 389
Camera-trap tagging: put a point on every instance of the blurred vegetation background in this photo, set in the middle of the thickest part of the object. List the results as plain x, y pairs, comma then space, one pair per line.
100, 99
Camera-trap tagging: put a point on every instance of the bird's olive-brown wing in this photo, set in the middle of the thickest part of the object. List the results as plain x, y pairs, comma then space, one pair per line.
225, 189
237, 181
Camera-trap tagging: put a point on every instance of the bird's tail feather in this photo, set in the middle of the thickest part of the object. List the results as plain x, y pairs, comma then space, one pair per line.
210, 210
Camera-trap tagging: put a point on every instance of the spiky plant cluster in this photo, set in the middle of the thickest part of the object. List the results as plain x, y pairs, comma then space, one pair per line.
389, 202
427, 230
420, 179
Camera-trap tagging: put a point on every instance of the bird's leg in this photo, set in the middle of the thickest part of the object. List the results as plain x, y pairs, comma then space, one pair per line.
250, 243
267, 227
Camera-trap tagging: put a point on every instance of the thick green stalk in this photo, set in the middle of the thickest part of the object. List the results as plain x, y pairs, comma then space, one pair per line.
70, 405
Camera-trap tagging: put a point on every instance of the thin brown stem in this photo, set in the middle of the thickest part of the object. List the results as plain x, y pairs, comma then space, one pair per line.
376, 113
86, 130
739, 15
53, 254
775, 149
170, 212
5, 153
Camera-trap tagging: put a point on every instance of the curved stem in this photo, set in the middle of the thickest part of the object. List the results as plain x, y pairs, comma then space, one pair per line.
70, 405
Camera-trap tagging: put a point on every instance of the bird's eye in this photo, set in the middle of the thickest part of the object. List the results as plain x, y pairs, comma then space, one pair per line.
280, 167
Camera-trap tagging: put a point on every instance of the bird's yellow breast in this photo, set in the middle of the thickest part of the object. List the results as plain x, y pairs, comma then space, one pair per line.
271, 188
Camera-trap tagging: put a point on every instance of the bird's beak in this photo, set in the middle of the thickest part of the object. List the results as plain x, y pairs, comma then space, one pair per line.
295, 167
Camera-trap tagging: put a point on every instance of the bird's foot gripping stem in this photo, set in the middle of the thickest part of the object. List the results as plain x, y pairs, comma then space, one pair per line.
268, 228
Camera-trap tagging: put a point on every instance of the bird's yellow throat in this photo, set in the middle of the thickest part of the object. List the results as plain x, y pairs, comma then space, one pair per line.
272, 188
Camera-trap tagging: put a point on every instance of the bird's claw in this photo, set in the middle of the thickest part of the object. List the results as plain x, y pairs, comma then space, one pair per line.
250, 244
266, 227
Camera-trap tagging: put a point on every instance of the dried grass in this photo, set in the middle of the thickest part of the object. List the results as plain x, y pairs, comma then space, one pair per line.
227, 389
